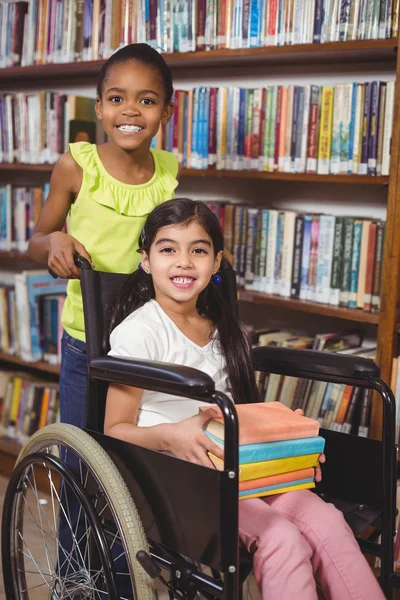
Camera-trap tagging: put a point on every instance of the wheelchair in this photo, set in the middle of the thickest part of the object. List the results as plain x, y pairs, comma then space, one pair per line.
163, 513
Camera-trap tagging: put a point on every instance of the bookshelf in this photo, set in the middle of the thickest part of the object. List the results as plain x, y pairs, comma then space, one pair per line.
374, 54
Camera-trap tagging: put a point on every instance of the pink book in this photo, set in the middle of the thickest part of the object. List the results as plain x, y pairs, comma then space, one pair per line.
266, 422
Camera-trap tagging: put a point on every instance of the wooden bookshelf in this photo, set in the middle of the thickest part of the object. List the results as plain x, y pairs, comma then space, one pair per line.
381, 55
41, 367
368, 51
46, 169
348, 314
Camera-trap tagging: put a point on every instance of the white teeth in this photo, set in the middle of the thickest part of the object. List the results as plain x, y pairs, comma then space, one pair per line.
183, 279
130, 128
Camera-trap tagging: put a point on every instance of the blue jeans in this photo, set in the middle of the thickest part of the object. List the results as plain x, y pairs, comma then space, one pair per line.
73, 410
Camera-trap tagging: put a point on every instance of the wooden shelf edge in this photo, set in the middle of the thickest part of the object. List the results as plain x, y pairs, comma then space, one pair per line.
369, 50
349, 314
41, 366
9, 446
306, 177
230, 174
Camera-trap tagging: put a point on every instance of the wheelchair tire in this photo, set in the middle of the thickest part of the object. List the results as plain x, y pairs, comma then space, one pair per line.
112, 485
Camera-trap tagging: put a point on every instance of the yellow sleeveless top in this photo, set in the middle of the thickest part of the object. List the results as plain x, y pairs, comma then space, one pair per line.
107, 218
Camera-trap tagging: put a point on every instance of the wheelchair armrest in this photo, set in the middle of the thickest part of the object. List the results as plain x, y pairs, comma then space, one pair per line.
310, 364
155, 376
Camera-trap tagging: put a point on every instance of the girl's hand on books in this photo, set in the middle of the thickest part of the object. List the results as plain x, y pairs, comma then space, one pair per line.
188, 441
318, 472
322, 458
62, 249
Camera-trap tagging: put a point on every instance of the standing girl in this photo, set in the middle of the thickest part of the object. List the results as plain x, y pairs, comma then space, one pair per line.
169, 310
108, 191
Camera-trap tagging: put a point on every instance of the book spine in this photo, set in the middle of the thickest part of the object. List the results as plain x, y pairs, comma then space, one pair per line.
271, 251
212, 150
325, 133
336, 129
297, 256
376, 289
318, 18
337, 263
278, 253
304, 133
369, 279
363, 166
347, 254
352, 127
363, 263
305, 257
381, 128
324, 261
355, 263
312, 142
287, 253
345, 127
263, 250
388, 128
373, 132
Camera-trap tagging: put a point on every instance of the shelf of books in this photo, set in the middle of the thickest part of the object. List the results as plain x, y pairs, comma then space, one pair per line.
300, 261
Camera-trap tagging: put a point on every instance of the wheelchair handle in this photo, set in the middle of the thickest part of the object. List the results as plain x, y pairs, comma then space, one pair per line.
80, 261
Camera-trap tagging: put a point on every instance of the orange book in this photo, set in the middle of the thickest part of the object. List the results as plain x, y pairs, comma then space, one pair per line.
266, 422
44, 409
254, 484
340, 417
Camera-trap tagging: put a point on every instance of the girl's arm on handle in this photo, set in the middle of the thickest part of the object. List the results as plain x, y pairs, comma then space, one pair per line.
185, 439
48, 243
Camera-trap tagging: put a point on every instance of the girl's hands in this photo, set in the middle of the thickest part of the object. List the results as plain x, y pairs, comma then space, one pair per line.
188, 441
322, 458
62, 248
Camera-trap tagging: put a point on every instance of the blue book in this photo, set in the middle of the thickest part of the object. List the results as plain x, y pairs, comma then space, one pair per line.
355, 263
318, 18
250, 453
195, 124
270, 488
255, 23
206, 128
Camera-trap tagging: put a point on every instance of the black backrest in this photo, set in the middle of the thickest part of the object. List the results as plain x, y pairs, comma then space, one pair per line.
99, 289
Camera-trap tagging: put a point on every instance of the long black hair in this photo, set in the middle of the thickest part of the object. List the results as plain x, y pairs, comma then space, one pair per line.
138, 289
144, 54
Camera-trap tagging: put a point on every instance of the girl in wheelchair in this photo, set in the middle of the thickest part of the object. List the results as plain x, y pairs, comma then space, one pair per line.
170, 310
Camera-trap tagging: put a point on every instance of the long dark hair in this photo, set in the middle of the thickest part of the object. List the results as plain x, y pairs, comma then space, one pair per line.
144, 54
138, 289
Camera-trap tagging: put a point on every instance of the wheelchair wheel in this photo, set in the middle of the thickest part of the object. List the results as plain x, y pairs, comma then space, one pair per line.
34, 559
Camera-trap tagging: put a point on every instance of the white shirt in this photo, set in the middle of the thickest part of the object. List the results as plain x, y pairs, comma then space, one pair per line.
149, 333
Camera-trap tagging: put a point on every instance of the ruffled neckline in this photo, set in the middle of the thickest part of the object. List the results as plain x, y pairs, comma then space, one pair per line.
125, 199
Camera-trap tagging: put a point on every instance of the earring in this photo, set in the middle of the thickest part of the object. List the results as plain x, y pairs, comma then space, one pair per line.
216, 279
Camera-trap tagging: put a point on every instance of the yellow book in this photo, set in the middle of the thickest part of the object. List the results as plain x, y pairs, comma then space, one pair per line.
266, 468
283, 490
44, 408
325, 131
14, 408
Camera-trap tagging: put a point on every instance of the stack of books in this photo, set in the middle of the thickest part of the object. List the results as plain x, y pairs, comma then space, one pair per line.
278, 449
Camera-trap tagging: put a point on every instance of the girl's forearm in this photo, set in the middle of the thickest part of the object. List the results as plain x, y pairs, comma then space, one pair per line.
38, 247
153, 438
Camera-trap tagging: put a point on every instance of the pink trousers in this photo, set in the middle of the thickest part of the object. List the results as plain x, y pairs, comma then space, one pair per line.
297, 539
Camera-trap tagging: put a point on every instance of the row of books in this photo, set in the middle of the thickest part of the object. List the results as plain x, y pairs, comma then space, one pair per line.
36, 128
26, 404
335, 406
19, 212
322, 258
47, 31
30, 309
345, 129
